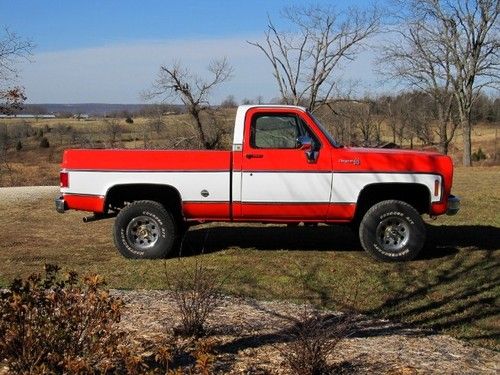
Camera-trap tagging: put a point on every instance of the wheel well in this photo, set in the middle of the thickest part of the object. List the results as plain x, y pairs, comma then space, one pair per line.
416, 195
120, 195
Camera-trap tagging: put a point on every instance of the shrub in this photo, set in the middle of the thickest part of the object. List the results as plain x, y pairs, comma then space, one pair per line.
478, 155
44, 143
313, 336
197, 293
52, 324
311, 339
172, 359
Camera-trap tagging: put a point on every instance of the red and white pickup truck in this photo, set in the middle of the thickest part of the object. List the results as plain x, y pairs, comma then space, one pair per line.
284, 167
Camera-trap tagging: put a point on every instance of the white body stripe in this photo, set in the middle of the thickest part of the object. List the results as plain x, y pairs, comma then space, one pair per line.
237, 186
189, 184
347, 186
286, 187
250, 186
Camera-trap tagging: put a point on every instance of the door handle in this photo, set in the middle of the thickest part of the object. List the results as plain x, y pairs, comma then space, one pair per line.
254, 156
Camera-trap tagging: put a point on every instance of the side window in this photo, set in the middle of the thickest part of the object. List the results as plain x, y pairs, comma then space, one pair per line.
279, 131
275, 131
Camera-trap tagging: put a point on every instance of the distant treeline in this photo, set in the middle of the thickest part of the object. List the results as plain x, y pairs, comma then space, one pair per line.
485, 109
99, 109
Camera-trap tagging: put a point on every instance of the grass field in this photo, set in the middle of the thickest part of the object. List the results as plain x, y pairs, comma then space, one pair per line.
452, 288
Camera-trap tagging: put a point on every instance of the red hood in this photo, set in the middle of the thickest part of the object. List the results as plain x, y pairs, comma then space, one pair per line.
390, 160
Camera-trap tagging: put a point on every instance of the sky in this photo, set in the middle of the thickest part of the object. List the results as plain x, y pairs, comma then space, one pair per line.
110, 51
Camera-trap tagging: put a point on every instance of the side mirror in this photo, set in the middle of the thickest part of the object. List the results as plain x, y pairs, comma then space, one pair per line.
305, 143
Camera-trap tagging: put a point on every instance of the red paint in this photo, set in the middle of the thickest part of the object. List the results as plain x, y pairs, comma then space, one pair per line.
341, 212
146, 160
92, 203
279, 211
439, 208
311, 212
212, 211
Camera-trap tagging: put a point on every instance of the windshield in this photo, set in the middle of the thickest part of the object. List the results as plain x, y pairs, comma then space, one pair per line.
332, 141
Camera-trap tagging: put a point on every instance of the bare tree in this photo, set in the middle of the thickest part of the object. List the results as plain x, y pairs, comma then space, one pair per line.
229, 102
5, 144
410, 115
415, 58
452, 50
193, 91
12, 48
62, 131
113, 131
473, 36
156, 122
368, 124
11, 99
305, 59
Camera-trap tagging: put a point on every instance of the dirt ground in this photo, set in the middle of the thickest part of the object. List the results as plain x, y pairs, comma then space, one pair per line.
250, 335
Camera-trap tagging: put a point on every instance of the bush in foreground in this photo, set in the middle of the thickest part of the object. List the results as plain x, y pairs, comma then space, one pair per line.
51, 324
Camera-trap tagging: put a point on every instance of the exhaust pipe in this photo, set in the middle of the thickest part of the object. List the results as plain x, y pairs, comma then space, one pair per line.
95, 217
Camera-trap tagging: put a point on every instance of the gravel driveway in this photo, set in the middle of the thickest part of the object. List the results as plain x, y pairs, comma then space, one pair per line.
26, 194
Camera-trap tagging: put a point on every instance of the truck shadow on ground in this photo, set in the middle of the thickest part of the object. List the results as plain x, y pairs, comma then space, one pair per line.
270, 238
442, 240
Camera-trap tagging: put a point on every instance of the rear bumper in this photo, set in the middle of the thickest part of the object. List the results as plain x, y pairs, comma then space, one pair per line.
60, 205
453, 205
82, 202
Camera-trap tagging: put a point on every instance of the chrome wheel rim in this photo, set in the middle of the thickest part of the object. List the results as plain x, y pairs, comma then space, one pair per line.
393, 234
143, 232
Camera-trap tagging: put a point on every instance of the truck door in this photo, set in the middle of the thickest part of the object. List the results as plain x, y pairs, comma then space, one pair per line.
285, 170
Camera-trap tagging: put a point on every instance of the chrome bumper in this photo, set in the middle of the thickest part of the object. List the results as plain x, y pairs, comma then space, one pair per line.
453, 205
60, 205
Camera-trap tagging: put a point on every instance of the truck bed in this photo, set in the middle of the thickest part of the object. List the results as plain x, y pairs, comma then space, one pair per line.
201, 178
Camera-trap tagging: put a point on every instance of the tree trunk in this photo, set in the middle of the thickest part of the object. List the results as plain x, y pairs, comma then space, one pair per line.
467, 135
443, 138
199, 128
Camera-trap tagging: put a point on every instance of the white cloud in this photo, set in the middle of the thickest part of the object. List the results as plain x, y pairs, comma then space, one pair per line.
118, 73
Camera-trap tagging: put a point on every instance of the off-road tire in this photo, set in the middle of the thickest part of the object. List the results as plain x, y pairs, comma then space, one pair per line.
145, 230
392, 231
